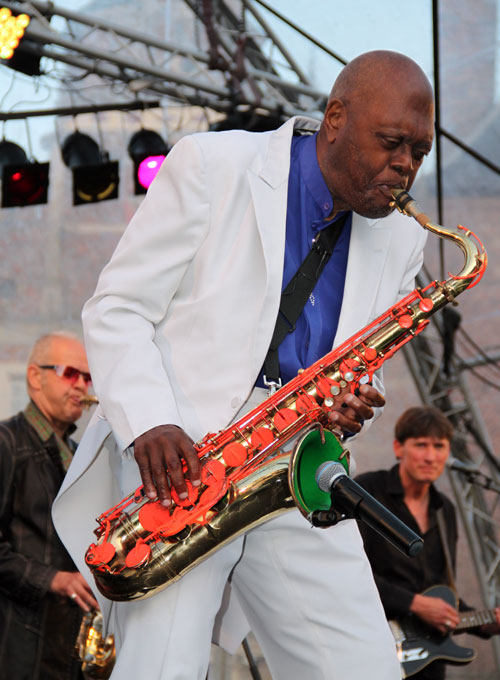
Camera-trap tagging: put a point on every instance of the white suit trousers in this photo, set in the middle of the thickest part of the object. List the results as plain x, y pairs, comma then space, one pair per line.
309, 597
307, 593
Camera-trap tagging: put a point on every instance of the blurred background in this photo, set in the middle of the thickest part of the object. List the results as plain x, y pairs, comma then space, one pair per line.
96, 87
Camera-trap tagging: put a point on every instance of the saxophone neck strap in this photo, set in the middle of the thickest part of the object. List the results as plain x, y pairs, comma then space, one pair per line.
297, 292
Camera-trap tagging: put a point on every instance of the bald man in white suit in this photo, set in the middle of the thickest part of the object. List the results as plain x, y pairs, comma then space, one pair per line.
176, 334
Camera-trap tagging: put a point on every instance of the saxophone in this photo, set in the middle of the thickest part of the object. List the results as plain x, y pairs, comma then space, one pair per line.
96, 652
249, 475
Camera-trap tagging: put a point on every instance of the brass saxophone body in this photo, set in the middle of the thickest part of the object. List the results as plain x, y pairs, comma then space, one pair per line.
248, 477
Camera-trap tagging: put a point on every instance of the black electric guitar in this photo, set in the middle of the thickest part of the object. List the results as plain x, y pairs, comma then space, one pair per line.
418, 644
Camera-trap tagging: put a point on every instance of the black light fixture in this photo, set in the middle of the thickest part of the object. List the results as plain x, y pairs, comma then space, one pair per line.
23, 182
95, 177
147, 150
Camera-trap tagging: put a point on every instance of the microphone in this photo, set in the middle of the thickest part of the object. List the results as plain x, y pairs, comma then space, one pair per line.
350, 498
461, 466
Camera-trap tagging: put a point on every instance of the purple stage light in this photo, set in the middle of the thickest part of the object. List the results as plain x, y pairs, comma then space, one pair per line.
148, 169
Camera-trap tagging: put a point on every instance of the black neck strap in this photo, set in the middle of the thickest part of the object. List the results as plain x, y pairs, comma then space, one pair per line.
296, 294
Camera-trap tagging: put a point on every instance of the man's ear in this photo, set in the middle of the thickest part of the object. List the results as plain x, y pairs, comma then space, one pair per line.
334, 119
398, 449
34, 377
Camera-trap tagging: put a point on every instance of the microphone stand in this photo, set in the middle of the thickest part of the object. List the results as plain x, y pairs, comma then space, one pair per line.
474, 477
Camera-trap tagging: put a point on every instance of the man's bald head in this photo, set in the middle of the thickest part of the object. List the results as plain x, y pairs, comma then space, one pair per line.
375, 70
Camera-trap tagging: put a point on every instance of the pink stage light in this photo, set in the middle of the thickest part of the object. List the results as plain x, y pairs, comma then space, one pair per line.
148, 169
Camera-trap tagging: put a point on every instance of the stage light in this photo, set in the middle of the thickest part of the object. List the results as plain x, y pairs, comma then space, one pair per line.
16, 50
147, 150
11, 31
95, 177
23, 183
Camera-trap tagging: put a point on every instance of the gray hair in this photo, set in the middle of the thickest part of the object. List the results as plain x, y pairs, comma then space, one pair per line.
42, 346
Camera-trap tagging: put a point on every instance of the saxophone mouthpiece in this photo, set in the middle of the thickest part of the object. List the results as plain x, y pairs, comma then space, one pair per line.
406, 204
401, 199
87, 400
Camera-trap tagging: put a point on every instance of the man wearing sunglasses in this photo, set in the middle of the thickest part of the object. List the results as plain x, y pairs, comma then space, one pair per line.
42, 595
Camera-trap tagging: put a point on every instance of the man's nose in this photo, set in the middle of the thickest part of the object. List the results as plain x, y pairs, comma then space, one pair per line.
430, 451
80, 382
402, 160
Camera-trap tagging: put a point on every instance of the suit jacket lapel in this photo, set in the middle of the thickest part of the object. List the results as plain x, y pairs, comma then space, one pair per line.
368, 250
270, 212
269, 188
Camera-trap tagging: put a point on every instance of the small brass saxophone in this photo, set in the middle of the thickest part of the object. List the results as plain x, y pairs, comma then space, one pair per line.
96, 653
247, 476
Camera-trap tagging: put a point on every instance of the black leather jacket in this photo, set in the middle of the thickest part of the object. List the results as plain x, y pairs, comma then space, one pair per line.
33, 621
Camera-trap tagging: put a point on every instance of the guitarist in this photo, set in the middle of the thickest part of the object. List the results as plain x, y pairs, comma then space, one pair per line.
422, 446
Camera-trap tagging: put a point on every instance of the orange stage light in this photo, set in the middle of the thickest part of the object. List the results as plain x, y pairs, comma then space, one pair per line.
11, 31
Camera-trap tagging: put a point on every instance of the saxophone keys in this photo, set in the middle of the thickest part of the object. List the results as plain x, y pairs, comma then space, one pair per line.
234, 454
323, 388
405, 321
370, 353
261, 437
426, 304
212, 471
99, 554
138, 556
283, 418
153, 515
335, 389
305, 403
348, 368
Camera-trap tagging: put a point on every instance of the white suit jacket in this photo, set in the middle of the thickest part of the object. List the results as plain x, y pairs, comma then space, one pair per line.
183, 314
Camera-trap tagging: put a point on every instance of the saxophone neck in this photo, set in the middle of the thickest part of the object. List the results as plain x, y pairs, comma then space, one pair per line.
472, 248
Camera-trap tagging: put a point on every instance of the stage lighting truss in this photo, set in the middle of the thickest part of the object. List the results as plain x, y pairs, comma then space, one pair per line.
11, 31
23, 182
95, 177
147, 150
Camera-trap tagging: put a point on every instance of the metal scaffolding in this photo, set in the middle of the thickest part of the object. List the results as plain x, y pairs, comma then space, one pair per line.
243, 63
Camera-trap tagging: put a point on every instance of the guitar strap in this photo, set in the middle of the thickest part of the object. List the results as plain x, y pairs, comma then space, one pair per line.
296, 294
446, 548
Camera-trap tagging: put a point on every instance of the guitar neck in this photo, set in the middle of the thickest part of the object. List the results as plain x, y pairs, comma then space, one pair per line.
469, 620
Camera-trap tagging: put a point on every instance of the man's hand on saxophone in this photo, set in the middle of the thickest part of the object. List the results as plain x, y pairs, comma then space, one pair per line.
160, 451
351, 410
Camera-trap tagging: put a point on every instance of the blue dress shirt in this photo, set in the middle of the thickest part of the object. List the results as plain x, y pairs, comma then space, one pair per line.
308, 207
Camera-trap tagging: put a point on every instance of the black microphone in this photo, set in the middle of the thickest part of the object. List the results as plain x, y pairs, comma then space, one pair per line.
350, 498
461, 466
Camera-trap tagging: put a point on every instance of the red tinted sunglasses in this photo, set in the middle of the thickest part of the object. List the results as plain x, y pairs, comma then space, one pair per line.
69, 372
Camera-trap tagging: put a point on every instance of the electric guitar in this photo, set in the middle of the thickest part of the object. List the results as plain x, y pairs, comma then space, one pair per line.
419, 644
